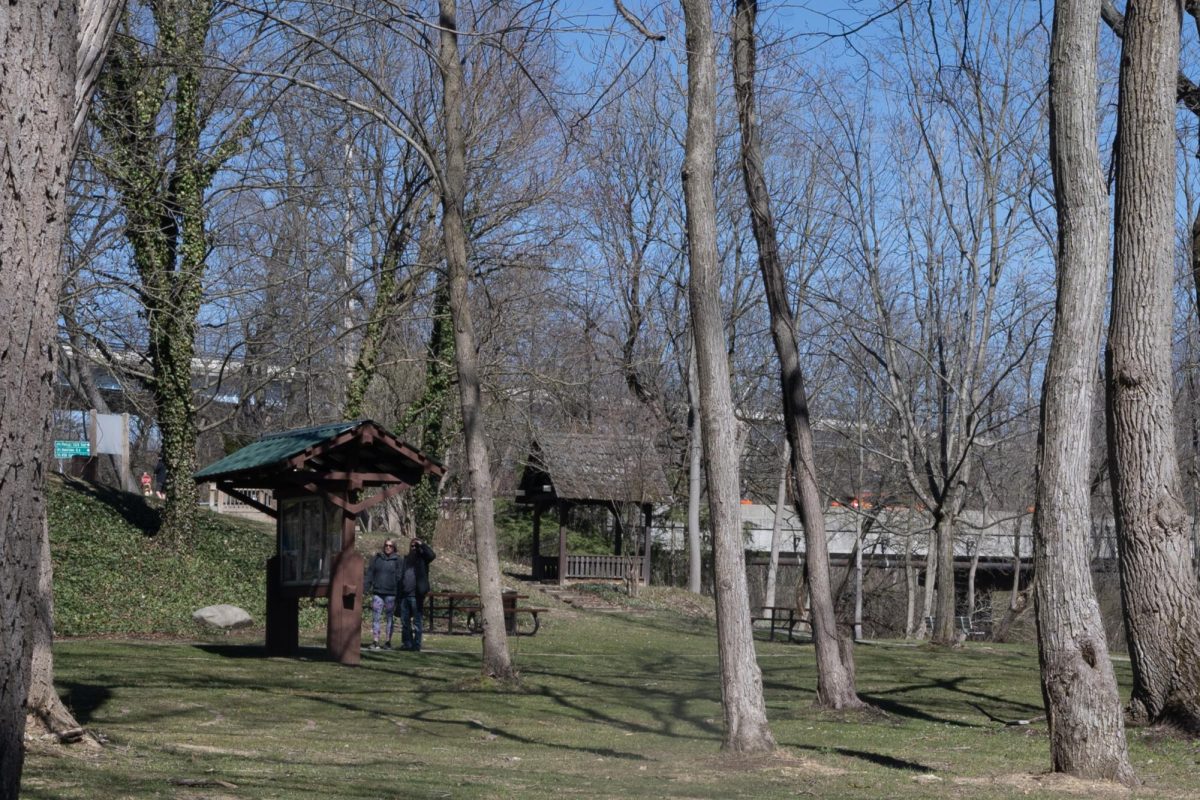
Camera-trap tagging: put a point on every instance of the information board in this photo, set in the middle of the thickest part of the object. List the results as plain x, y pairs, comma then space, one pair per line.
67, 449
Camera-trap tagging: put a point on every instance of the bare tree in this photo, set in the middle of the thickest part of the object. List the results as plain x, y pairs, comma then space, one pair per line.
835, 678
943, 311
1158, 585
496, 661
1083, 706
746, 728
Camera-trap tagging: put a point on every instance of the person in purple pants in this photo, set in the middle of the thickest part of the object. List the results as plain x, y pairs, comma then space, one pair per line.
382, 581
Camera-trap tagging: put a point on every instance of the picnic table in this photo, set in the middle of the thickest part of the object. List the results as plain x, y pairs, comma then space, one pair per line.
464, 609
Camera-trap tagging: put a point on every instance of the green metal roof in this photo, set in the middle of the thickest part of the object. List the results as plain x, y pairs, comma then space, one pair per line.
274, 448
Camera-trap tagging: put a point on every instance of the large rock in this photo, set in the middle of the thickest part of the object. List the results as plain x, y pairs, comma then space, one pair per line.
223, 616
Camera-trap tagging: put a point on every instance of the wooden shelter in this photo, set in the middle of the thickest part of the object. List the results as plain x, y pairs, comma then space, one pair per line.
566, 470
323, 479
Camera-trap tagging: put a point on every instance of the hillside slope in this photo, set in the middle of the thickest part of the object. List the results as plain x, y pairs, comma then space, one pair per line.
113, 575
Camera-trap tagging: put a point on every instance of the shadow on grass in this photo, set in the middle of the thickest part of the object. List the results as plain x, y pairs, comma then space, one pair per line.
950, 686
910, 712
133, 508
385, 661
879, 759
84, 699
247, 650
258, 650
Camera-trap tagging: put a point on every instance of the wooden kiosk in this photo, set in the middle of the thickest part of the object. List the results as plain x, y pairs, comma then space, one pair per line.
323, 479
568, 470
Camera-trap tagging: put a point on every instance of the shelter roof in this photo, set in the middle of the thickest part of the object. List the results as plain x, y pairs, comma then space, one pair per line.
590, 467
348, 450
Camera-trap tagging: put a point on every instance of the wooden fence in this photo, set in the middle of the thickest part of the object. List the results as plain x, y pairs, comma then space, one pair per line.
603, 567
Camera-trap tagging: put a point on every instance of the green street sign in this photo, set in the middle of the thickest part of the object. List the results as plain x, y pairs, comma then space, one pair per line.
63, 450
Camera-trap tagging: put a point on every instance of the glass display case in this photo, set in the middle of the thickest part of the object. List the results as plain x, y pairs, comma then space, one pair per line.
310, 535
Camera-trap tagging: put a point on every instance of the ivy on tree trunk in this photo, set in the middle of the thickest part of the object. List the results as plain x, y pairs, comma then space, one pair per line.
163, 198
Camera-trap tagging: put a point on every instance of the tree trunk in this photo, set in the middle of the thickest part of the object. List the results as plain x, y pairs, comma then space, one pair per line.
835, 686
1016, 562
1158, 586
943, 620
931, 561
971, 587
746, 729
1079, 689
38, 58
911, 587
391, 296
43, 702
777, 527
858, 576
695, 480
496, 661
436, 407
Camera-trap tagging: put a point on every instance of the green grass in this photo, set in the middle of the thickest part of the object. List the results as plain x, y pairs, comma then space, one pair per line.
608, 706
618, 706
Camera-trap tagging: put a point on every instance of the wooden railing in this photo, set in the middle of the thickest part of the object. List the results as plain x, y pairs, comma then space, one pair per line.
224, 504
603, 567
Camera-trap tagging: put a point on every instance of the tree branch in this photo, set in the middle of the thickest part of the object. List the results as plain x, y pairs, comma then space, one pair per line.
97, 22
637, 24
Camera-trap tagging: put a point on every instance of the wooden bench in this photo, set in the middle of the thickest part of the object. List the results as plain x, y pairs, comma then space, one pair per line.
512, 621
465, 608
780, 617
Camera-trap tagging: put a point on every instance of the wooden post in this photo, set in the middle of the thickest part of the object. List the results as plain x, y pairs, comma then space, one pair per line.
283, 615
618, 529
89, 466
647, 516
536, 558
124, 467
562, 543
344, 630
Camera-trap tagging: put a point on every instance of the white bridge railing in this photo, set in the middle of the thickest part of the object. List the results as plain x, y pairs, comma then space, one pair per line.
222, 503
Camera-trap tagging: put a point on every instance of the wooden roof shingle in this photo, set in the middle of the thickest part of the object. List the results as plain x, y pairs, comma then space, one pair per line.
589, 467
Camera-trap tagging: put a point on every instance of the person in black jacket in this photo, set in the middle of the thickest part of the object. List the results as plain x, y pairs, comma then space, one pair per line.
383, 576
412, 587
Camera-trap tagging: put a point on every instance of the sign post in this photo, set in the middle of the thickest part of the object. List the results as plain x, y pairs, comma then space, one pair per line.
109, 435
65, 449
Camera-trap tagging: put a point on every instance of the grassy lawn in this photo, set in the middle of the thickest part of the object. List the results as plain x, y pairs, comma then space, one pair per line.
609, 706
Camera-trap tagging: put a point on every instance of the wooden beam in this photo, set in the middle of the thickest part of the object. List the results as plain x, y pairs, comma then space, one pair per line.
562, 543
427, 464
248, 500
336, 499
342, 476
376, 499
